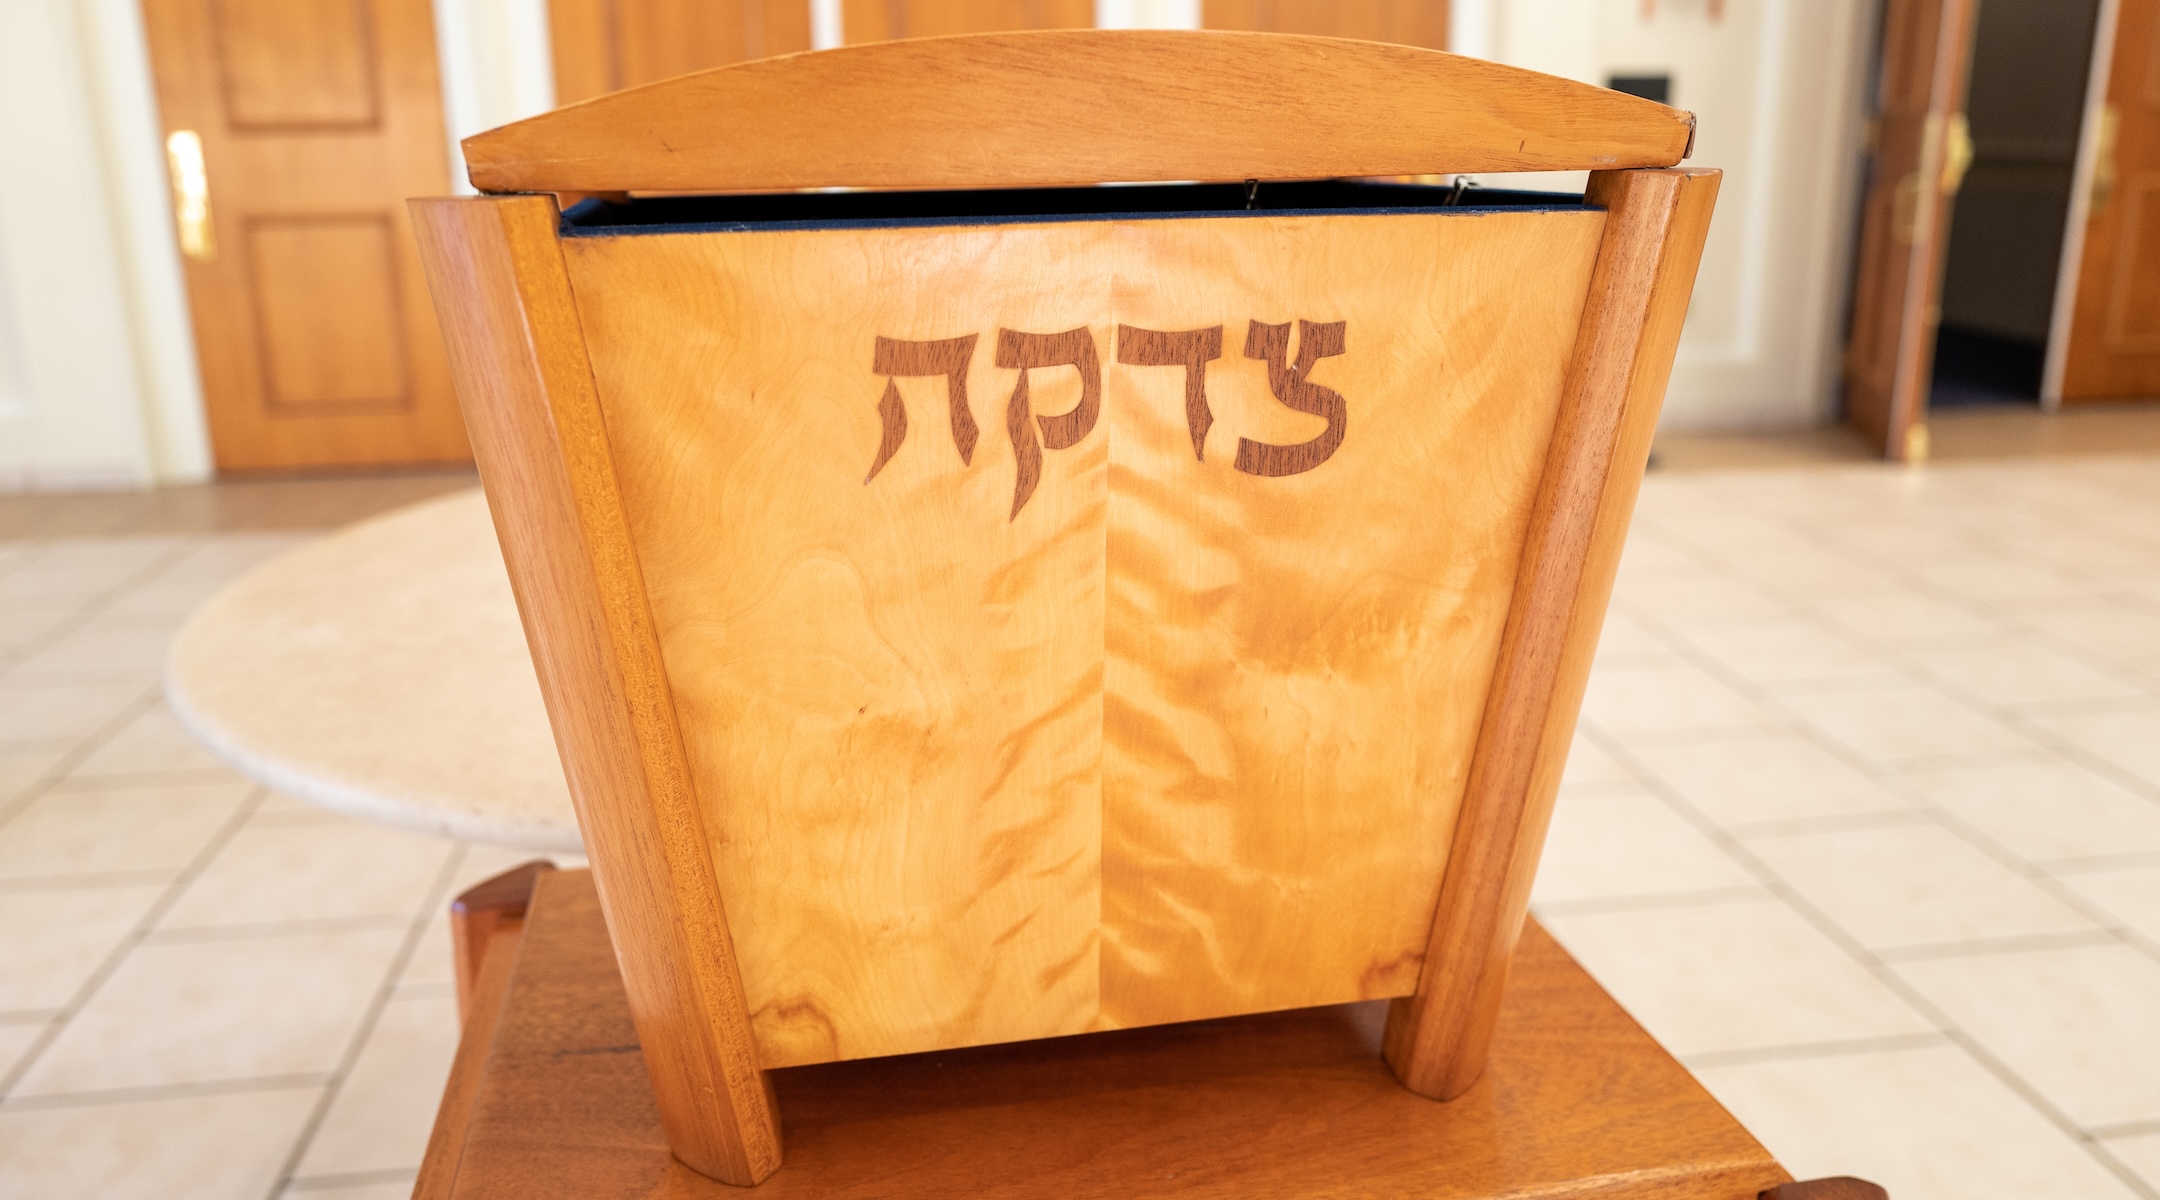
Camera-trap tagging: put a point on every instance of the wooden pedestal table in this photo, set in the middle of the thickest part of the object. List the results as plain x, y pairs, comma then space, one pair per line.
381, 672
549, 1098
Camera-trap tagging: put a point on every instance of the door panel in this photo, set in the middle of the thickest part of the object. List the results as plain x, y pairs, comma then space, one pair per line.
2113, 352
2133, 306
1410, 22
327, 312
287, 63
602, 46
1919, 149
882, 20
317, 119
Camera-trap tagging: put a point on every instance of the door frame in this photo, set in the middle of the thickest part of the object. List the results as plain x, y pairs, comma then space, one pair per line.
2081, 206
2081, 183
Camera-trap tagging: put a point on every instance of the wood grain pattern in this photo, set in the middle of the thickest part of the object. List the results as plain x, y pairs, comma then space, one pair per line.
1411, 22
1296, 664
2112, 348
882, 20
297, 64
890, 693
488, 910
949, 804
1843, 1187
528, 394
601, 46
1656, 224
480, 1016
313, 333
1580, 1103
1083, 106
1905, 221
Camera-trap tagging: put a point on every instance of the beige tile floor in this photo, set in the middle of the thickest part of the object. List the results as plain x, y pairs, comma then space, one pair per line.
1863, 822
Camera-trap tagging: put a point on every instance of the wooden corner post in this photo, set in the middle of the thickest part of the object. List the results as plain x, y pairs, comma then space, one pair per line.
1656, 220
518, 356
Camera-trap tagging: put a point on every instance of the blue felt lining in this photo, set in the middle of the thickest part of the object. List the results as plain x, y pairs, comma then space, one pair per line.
882, 210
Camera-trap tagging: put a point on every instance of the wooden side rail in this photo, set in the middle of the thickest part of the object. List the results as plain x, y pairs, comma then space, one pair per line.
531, 407
487, 922
1078, 107
483, 912
1437, 1038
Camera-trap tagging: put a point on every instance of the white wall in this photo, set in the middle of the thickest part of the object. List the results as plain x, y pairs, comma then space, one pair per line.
496, 68
98, 381
97, 384
1778, 89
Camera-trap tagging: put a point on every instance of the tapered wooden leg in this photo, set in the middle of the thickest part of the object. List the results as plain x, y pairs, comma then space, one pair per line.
1655, 224
517, 353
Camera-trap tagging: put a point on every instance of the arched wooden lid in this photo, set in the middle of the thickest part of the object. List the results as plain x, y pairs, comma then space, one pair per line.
1075, 107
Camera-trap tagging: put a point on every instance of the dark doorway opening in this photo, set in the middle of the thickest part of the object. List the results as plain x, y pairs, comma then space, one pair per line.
1974, 368
2026, 101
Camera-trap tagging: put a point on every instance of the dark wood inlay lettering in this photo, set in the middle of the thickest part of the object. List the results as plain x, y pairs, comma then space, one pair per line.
1027, 456
949, 357
1192, 349
1026, 351
1289, 382
893, 416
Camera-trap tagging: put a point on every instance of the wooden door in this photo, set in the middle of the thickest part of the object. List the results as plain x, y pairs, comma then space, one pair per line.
1920, 151
604, 45
297, 129
1410, 22
2113, 351
883, 20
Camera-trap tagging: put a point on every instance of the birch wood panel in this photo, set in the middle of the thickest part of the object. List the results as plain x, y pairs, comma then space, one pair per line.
1028, 688
890, 692
1297, 663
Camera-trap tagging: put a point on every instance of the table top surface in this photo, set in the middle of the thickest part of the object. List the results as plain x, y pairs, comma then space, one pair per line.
550, 1098
382, 672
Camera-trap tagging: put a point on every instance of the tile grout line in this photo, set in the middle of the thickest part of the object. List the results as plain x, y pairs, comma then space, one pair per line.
202, 935
2127, 1129
385, 991
1883, 973
100, 1097
1836, 1048
91, 742
1589, 906
1889, 777
128, 943
1987, 947
85, 746
313, 1183
1882, 970
98, 602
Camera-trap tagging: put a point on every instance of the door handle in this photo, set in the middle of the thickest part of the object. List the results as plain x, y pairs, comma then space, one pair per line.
1957, 155
2103, 176
191, 195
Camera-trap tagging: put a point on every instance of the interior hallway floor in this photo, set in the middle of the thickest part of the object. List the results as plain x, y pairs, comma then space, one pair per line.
1863, 822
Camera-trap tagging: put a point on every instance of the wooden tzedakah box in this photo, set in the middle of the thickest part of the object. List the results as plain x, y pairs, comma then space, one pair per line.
973, 616
1077, 623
